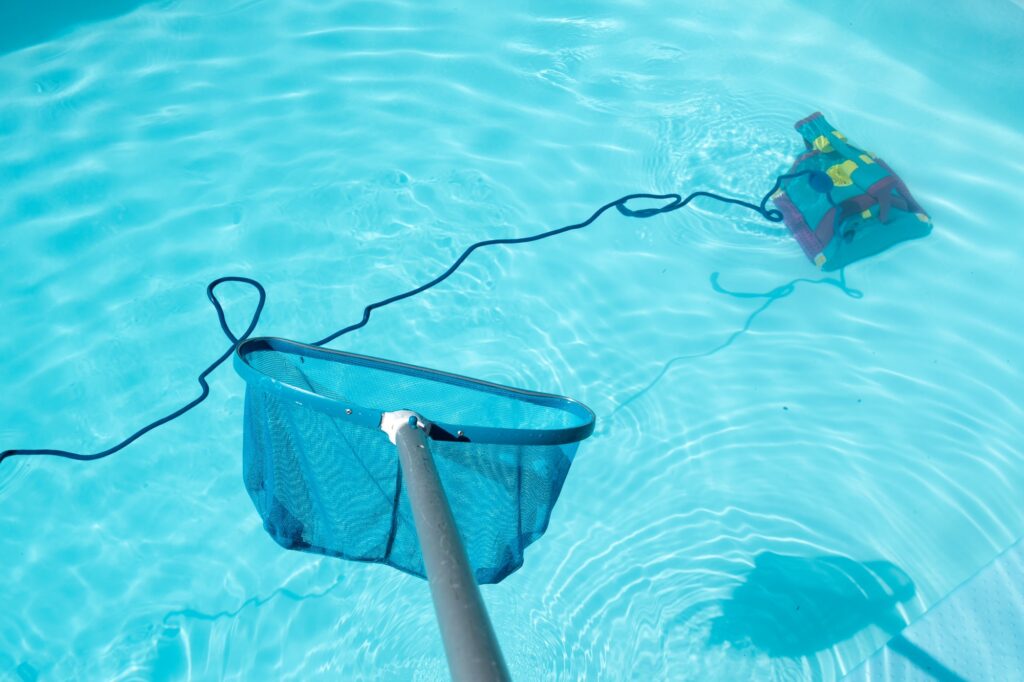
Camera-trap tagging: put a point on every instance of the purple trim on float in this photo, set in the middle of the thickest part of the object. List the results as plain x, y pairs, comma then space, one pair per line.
816, 114
794, 220
826, 227
882, 192
857, 204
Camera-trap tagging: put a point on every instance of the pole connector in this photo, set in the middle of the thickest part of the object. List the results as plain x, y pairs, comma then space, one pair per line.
390, 422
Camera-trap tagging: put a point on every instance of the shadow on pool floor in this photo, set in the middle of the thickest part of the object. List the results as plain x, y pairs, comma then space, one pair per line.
792, 607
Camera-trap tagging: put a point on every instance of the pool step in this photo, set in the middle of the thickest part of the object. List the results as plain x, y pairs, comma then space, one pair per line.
975, 633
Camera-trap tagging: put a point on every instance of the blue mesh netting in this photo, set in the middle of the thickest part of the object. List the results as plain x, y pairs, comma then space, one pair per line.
326, 479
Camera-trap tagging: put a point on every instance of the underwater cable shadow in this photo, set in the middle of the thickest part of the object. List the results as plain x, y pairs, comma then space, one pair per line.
257, 602
794, 607
168, 651
779, 292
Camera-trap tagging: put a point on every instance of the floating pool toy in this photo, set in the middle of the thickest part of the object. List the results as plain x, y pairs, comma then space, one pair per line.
842, 203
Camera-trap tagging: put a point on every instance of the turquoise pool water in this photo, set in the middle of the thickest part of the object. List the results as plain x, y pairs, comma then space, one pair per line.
772, 492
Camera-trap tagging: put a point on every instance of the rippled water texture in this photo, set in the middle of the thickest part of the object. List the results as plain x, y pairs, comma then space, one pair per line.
773, 491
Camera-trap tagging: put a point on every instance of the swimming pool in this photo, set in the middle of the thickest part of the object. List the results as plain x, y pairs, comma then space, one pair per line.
772, 492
